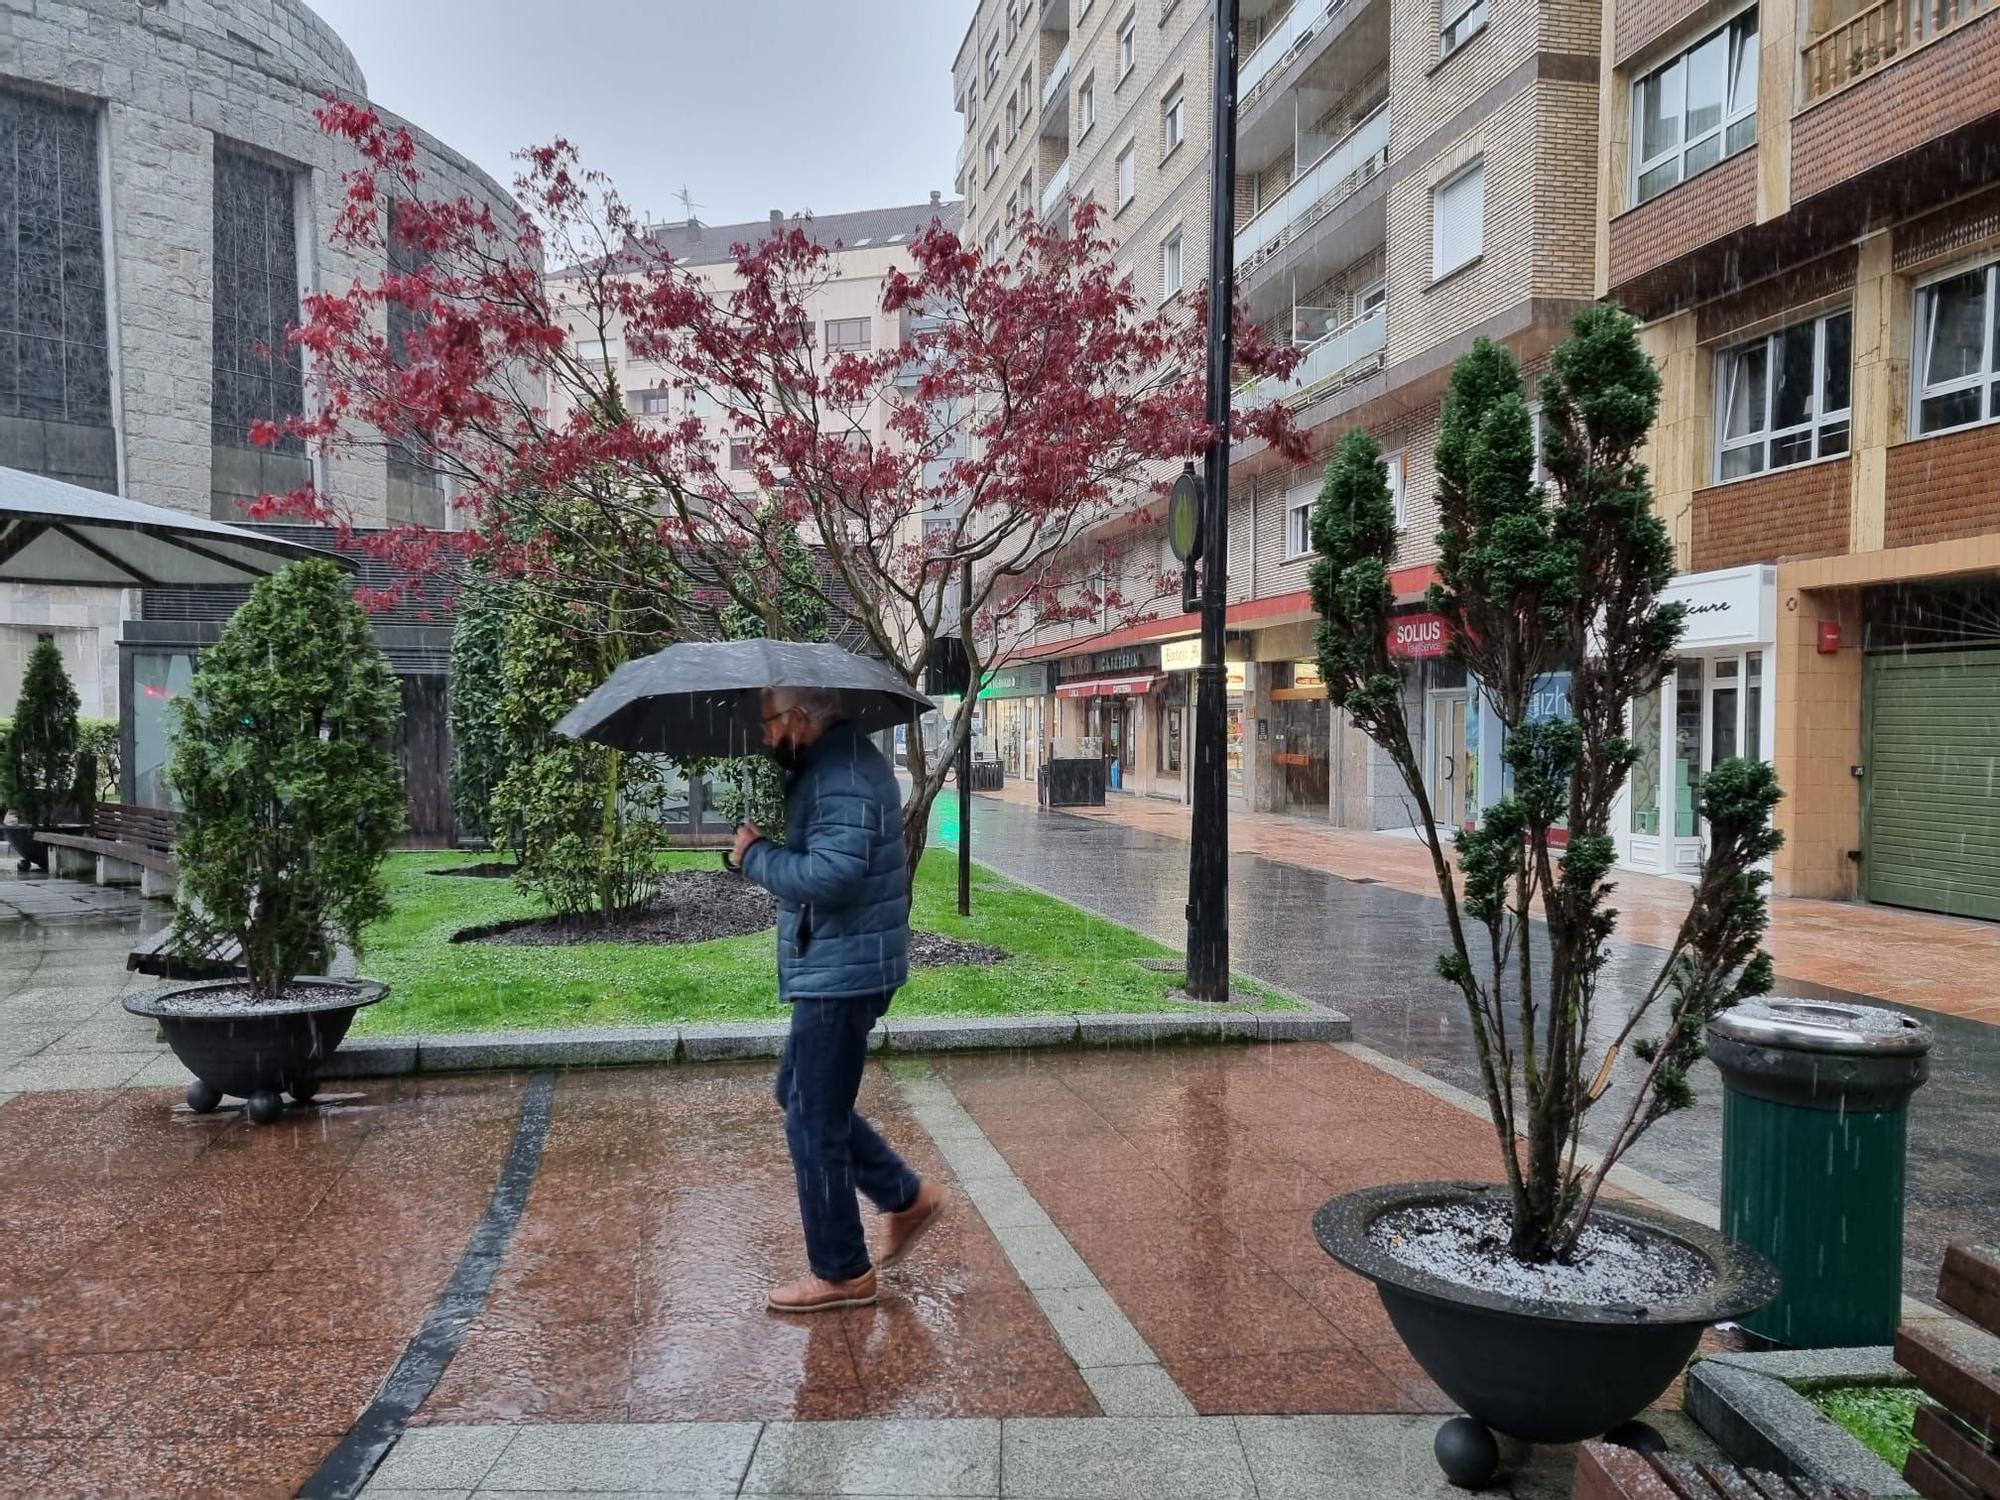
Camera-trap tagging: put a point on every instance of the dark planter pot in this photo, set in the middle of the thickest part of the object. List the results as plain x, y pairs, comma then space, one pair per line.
258, 1054
1538, 1372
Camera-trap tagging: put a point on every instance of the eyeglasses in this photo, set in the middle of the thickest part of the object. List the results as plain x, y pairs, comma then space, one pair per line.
770, 719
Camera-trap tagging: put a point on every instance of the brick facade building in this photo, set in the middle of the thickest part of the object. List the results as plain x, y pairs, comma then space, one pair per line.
1796, 202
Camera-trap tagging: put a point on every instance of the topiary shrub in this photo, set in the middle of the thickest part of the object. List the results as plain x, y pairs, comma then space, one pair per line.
287, 779
41, 745
478, 747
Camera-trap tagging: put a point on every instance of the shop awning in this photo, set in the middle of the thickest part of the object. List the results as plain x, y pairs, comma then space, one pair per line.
1127, 685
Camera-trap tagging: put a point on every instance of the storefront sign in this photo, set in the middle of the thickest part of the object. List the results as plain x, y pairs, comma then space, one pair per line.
1235, 676
1181, 656
1549, 698
1727, 607
1418, 635
1305, 674
1029, 680
1125, 659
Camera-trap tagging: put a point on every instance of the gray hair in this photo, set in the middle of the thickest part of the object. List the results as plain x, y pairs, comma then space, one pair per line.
821, 706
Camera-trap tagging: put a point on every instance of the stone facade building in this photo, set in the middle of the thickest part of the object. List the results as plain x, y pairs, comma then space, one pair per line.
1407, 180
1798, 201
166, 198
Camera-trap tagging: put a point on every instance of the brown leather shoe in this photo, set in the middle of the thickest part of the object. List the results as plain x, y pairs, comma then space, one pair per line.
904, 1227
811, 1294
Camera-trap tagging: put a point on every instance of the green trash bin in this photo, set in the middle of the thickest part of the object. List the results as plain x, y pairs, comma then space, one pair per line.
1815, 1102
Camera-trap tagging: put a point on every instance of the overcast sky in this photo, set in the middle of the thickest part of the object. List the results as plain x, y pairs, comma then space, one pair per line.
828, 105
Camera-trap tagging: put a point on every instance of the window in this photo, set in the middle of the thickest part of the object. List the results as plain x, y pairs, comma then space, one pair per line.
416, 488
1028, 201
1029, 99
257, 370
1170, 265
600, 352
1128, 45
992, 153
1458, 212
1128, 174
1082, 8
1695, 110
1958, 350
1458, 22
1013, 20
54, 341
848, 335
658, 402
1298, 518
1370, 299
993, 245
992, 62
1013, 207
1398, 497
739, 454
1013, 116
1173, 122
1782, 399
1086, 105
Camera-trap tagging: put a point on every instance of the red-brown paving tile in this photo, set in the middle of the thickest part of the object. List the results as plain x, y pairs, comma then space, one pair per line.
221, 1390
383, 1300
744, 1365
591, 1287
119, 1314
148, 1468
1289, 1385
512, 1371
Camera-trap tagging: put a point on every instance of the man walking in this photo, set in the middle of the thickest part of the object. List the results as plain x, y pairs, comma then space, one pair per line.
843, 950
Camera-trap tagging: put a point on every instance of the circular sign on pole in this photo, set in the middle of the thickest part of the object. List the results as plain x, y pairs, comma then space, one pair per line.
1184, 516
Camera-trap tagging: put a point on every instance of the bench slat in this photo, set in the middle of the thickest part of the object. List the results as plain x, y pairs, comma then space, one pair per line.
1949, 1377
1956, 1449
1933, 1480
1971, 1282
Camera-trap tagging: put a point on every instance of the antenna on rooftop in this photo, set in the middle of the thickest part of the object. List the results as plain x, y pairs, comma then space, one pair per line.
688, 204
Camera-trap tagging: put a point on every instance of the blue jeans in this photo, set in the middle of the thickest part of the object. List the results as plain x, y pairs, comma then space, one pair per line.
834, 1151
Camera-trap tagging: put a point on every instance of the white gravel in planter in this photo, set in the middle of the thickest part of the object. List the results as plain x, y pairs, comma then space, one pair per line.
1466, 1244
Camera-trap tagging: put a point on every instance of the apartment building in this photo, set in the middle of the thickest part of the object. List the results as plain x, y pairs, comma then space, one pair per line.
1410, 176
1796, 200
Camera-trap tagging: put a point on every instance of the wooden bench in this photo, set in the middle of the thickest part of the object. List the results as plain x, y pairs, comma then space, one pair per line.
1958, 1452
139, 837
1605, 1471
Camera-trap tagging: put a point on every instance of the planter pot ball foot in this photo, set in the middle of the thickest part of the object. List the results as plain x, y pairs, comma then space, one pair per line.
264, 1106
1468, 1453
202, 1098
1640, 1437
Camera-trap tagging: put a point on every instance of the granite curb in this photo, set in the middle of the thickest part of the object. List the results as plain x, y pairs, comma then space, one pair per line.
1756, 1409
379, 1057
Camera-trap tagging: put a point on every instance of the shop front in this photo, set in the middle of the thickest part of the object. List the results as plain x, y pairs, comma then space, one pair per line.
1105, 698
1012, 708
1179, 661
1717, 700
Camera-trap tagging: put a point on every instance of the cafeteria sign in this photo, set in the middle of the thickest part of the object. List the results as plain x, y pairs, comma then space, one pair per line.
1418, 635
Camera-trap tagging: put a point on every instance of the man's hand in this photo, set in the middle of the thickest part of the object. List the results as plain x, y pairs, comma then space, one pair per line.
747, 835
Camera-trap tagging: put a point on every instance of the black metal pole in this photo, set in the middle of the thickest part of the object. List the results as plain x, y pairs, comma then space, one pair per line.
1208, 859
965, 761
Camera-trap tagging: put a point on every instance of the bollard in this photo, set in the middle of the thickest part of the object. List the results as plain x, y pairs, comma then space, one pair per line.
1814, 1109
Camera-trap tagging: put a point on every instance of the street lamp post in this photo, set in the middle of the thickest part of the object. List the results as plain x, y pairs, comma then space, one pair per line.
1208, 859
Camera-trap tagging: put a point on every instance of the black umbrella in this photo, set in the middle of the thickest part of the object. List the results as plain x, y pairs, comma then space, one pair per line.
702, 697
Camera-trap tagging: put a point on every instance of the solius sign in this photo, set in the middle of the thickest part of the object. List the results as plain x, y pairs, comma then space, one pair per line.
1418, 635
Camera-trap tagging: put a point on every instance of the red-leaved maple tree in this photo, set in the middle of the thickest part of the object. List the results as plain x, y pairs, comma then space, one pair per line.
1036, 404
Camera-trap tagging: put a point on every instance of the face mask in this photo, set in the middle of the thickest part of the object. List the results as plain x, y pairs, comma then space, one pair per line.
786, 755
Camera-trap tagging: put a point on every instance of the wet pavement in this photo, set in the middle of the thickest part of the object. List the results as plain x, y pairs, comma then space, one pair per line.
196, 1306
1367, 949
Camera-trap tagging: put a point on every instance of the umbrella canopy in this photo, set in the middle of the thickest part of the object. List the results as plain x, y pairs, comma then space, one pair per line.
701, 697
51, 532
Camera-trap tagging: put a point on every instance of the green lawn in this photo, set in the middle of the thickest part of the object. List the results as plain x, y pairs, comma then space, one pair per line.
1880, 1415
1060, 960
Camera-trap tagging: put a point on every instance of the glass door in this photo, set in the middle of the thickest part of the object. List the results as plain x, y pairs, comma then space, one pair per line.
1450, 764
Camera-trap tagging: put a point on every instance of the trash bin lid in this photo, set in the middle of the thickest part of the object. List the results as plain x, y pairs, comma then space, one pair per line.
1823, 1026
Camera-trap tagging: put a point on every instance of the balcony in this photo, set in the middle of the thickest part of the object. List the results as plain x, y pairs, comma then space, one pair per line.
1055, 96
1055, 15
1844, 50
1316, 192
1055, 194
1335, 356
1300, 25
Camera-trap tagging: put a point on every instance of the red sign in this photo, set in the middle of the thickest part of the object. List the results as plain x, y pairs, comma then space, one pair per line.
1418, 635
1829, 637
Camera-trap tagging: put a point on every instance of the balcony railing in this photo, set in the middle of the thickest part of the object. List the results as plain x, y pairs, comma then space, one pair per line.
1316, 192
1348, 350
1056, 190
1301, 25
1877, 37
1056, 85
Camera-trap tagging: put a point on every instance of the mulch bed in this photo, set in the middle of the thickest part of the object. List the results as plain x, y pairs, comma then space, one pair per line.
696, 906
491, 870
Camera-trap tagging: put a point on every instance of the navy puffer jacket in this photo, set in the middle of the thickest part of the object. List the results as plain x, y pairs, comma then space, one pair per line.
840, 879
